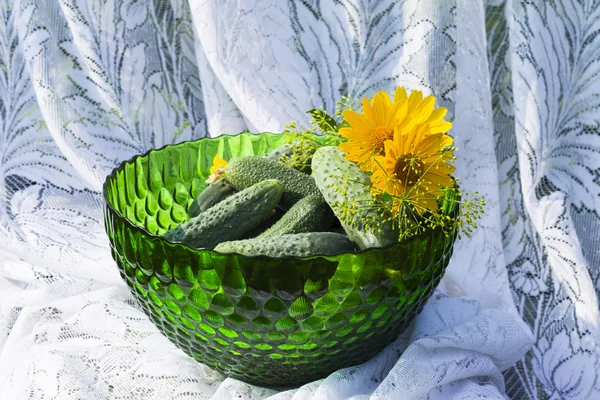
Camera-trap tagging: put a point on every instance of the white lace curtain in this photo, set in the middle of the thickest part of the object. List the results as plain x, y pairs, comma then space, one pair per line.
85, 84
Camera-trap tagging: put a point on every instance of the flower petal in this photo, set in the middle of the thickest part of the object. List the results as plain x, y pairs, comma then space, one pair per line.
369, 112
398, 114
425, 109
350, 147
440, 127
426, 204
440, 180
358, 122
415, 99
354, 134
390, 149
437, 115
402, 140
381, 108
218, 162
400, 94
446, 141
429, 144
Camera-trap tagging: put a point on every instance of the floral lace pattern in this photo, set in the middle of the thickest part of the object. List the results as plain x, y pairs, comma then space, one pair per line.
85, 84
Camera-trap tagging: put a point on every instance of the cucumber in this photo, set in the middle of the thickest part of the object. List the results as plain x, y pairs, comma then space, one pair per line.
331, 169
230, 219
243, 172
338, 229
211, 195
292, 245
310, 214
266, 224
284, 150
290, 156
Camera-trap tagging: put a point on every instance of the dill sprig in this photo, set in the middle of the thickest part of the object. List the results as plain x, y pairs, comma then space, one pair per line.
348, 102
457, 213
323, 130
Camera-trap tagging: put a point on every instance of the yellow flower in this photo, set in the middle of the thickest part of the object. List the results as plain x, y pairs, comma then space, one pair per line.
370, 130
415, 168
217, 170
218, 162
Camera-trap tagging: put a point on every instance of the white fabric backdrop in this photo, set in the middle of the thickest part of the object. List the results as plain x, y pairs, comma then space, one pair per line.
85, 84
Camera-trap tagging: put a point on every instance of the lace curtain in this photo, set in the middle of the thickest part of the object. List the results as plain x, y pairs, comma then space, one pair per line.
85, 84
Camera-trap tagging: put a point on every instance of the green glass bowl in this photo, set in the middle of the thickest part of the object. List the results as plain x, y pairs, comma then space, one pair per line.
275, 322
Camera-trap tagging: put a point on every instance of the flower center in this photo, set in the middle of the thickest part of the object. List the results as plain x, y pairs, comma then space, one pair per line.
378, 137
408, 169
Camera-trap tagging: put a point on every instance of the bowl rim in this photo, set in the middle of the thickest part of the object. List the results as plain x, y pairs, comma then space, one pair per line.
163, 240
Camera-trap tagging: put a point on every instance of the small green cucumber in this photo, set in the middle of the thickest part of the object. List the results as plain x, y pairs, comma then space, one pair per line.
243, 172
338, 229
230, 219
211, 195
292, 157
292, 245
330, 169
285, 150
310, 214
266, 224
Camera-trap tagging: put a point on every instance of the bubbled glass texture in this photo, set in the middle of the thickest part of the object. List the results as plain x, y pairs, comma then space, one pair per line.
275, 322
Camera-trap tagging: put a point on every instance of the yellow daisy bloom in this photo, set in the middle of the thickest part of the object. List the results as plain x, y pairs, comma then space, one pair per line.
370, 130
218, 162
415, 168
217, 170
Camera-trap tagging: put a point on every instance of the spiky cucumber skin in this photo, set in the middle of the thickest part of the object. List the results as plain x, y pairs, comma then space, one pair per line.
243, 172
292, 245
281, 151
230, 219
330, 166
287, 155
211, 195
310, 214
266, 224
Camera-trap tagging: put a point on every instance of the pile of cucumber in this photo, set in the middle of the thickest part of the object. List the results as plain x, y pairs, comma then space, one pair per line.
263, 206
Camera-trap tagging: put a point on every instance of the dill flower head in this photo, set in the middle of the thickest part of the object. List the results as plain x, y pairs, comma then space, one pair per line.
381, 117
415, 169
